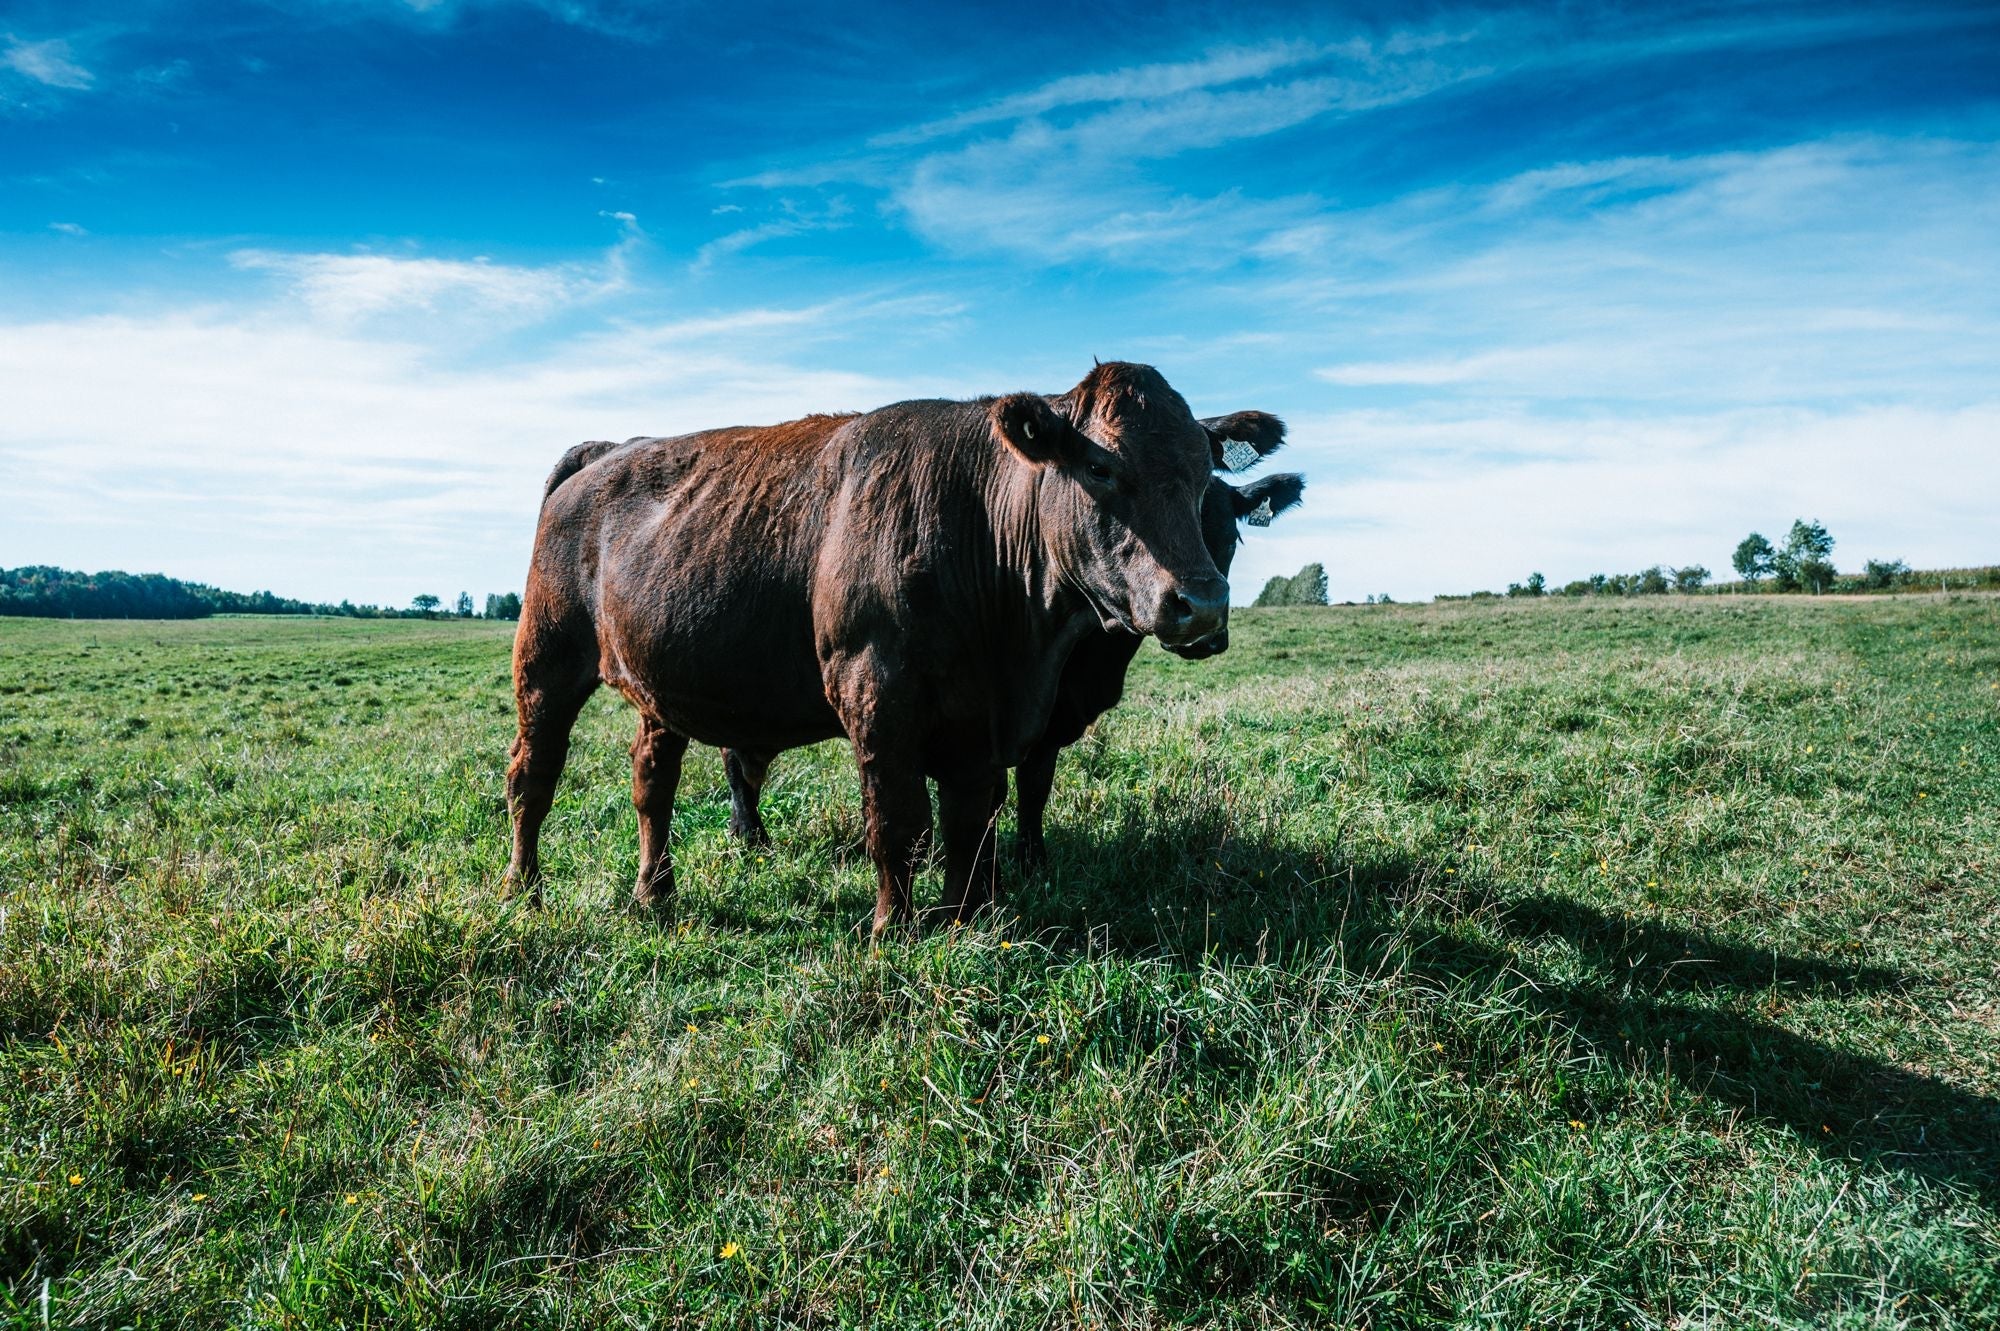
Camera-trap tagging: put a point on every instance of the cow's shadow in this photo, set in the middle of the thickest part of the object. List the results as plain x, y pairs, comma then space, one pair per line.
1692, 1004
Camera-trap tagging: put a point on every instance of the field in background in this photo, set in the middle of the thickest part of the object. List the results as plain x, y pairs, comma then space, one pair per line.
1578, 964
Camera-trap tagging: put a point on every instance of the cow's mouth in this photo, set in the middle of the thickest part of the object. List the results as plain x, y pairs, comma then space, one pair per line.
1215, 644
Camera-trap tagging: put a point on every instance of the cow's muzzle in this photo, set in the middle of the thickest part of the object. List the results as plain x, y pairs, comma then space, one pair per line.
1192, 612
1215, 644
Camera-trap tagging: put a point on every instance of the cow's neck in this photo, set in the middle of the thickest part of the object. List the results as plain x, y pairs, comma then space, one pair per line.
1034, 615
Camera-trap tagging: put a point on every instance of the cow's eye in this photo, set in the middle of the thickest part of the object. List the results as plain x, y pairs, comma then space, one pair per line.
1098, 472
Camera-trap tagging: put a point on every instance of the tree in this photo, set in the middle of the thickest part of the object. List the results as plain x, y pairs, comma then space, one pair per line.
1690, 579
503, 605
1306, 587
424, 605
463, 606
1650, 582
1537, 585
1753, 558
1806, 559
1880, 573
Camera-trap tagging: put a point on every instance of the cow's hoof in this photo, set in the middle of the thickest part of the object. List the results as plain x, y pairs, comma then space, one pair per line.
522, 885
654, 900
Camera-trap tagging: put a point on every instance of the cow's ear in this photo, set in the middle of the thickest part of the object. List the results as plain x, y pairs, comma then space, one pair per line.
1272, 494
1258, 431
1026, 423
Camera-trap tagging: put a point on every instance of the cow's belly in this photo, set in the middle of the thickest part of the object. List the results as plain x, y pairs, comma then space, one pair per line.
722, 655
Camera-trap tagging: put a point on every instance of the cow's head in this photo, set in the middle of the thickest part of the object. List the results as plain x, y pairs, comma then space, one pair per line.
1125, 469
1223, 508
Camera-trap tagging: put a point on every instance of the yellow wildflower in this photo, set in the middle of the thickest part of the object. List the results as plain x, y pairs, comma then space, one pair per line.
729, 1250
75, 1180
201, 1197
351, 1200
1041, 1039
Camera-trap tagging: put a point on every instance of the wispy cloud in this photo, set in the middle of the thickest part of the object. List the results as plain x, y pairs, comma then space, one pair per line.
46, 62
1058, 190
350, 288
795, 222
1135, 83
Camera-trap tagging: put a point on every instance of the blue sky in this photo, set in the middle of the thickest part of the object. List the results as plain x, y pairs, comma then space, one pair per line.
310, 296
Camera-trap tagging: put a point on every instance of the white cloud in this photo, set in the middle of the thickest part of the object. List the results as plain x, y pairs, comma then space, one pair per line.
68, 228
1060, 171
247, 448
1139, 82
795, 222
47, 62
349, 288
1419, 503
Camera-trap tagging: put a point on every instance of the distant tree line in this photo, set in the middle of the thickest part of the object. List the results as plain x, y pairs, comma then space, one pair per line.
45, 591
1803, 563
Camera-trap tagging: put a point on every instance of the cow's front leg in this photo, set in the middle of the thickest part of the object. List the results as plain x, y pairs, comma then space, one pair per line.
897, 806
884, 723
656, 774
967, 807
898, 809
1033, 780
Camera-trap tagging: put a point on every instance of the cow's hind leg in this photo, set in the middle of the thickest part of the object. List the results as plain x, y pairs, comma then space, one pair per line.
656, 774
967, 807
1033, 780
547, 703
746, 786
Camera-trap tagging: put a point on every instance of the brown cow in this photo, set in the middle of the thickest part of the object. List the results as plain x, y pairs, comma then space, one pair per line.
1093, 679
913, 578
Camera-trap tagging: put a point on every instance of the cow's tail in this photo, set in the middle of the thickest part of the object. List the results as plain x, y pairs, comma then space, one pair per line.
575, 461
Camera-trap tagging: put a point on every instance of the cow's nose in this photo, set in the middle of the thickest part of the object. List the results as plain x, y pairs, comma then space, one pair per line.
1194, 610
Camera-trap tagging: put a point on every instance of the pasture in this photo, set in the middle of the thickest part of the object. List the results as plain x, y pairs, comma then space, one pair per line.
1596, 964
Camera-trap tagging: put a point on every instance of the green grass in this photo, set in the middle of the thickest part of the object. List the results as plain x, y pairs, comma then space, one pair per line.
1554, 965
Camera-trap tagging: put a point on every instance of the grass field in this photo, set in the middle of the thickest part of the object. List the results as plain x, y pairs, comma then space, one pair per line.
1582, 965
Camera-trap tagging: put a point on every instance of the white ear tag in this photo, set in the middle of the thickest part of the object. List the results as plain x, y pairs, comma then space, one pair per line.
1260, 516
1236, 455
